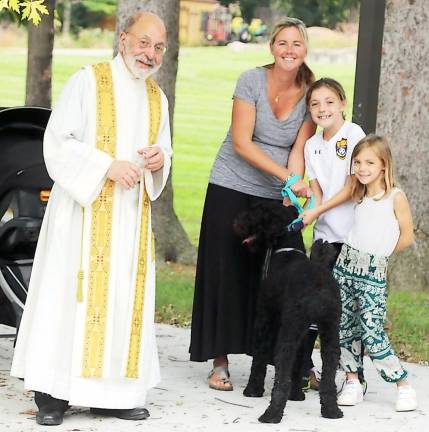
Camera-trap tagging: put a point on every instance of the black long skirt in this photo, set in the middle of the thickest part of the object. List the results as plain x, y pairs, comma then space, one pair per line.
227, 279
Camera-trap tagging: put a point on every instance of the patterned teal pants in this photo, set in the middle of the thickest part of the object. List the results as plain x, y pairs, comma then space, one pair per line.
362, 281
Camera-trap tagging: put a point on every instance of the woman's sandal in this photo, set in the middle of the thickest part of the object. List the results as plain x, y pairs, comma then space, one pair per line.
223, 381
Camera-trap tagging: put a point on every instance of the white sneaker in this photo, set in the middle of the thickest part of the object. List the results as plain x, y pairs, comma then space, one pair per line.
351, 394
407, 399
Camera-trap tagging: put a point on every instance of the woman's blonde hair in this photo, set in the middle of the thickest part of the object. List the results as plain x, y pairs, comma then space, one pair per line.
305, 74
380, 146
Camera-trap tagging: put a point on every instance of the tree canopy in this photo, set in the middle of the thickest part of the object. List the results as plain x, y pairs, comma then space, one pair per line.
106, 7
318, 12
32, 10
312, 12
88, 13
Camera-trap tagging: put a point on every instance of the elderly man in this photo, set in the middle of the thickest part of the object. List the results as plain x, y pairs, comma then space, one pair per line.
87, 335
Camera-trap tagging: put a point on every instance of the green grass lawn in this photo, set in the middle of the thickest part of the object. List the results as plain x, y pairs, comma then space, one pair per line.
408, 324
407, 318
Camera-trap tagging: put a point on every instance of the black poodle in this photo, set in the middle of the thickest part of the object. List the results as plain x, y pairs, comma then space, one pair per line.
295, 292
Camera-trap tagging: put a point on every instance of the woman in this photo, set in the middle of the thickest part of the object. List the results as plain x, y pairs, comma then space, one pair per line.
263, 147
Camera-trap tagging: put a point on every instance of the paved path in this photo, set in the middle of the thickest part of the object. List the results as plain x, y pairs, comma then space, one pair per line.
182, 402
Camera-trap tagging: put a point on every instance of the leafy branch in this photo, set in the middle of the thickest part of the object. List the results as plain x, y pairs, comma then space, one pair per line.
31, 10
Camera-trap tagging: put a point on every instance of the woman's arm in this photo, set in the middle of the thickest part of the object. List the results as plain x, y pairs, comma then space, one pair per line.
295, 162
405, 219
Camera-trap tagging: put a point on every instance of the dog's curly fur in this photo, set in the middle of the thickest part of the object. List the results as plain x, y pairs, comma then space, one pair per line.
295, 293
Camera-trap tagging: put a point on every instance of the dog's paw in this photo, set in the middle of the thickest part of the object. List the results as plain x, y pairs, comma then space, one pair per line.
296, 394
253, 391
271, 415
331, 412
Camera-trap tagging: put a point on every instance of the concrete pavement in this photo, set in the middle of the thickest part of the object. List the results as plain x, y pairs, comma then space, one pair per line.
182, 402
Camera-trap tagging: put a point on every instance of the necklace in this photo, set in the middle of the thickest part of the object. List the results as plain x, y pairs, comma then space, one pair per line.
277, 98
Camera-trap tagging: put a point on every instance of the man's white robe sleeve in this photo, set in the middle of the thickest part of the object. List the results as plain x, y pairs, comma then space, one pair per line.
155, 181
77, 166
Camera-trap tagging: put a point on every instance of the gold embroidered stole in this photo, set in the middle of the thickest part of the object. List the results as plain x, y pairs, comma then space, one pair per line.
101, 233
154, 97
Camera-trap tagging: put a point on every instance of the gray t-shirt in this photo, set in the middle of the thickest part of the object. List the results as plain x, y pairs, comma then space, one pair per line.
275, 137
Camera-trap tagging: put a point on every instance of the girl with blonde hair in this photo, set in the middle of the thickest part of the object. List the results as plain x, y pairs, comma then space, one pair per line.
382, 225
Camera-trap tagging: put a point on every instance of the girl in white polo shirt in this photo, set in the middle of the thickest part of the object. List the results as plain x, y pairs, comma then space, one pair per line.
382, 225
327, 164
327, 161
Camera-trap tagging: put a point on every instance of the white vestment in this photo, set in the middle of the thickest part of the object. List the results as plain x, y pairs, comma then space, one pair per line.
49, 349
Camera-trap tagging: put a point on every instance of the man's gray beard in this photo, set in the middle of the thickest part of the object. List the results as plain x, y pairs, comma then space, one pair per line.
138, 73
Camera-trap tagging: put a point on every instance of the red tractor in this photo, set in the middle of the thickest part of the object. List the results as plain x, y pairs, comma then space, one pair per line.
217, 25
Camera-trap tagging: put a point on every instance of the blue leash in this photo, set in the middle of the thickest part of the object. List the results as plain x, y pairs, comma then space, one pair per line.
297, 224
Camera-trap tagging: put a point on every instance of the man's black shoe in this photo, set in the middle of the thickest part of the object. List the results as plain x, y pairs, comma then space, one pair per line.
124, 414
49, 419
51, 410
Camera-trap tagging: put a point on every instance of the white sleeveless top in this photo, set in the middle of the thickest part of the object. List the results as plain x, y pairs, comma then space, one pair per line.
375, 228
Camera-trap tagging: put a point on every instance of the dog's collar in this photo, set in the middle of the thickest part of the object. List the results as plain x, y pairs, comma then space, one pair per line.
268, 254
288, 250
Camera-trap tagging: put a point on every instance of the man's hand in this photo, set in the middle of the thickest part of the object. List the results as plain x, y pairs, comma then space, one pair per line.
153, 158
308, 216
125, 173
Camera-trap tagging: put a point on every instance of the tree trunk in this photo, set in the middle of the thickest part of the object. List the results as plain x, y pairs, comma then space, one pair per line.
39, 60
66, 17
353, 16
403, 113
172, 243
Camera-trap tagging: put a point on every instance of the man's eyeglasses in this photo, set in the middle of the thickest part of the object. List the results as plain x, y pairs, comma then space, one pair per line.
145, 43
